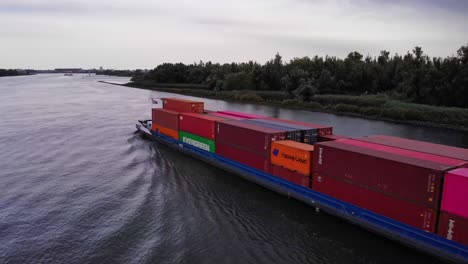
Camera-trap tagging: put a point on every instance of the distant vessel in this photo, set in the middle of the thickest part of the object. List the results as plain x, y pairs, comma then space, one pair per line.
68, 74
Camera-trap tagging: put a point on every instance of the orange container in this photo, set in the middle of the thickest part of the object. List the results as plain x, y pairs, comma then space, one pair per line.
182, 105
165, 131
293, 155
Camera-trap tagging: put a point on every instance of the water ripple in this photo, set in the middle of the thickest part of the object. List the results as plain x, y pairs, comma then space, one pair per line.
78, 186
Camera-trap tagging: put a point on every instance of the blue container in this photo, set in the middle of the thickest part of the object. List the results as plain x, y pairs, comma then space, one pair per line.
308, 134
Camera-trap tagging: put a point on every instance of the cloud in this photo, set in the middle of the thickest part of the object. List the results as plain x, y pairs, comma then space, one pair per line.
143, 33
77, 7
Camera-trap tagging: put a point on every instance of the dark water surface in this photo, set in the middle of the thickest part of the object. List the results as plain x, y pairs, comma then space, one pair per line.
78, 186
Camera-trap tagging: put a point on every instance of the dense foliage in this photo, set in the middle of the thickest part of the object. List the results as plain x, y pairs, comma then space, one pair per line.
5, 72
123, 73
413, 77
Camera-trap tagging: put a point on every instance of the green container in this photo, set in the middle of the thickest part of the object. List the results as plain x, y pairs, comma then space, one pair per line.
197, 141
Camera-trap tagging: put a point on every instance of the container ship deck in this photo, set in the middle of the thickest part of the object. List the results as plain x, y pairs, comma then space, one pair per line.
426, 241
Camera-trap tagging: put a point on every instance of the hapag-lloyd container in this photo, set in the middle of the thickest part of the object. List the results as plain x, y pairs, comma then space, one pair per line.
198, 124
453, 227
165, 118
241, 114
291, 133
227, 117
322, 130
181, 105
410, 213
165, 131
247, 136
249, 158
406, 174
289, 175
307, 134
197, 141
331, 138
455, 193
420, 146
292, 155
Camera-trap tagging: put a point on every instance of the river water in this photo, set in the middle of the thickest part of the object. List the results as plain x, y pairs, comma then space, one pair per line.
79, 186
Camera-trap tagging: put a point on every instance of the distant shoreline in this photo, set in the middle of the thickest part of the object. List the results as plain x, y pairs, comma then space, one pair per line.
296, 106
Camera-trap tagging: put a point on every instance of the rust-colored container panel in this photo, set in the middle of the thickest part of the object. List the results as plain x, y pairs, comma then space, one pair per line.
226, 117
420, 146
322, 130
410, 175
292, 155
331, 138
240, 114
181, 105
453, 227
455, 192
250, 137
290, 175
166, 118
243, 156
198, 124
165, 131
406, 212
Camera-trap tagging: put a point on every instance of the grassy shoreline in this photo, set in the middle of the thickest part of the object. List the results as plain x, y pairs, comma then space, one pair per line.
369, 107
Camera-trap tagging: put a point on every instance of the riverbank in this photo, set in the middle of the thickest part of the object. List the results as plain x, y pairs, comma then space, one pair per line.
11, 72
370, 107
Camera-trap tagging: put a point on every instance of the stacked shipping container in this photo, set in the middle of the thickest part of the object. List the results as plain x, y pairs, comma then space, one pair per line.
405, 181
453, 221
420, 146
227, 117
291, 133
240, 114
289, 175
292, 161
305, 134
322, 130
198, 130
246, 143
165, 122
399, 178
292, 155
331, 138
181, 105
199, 124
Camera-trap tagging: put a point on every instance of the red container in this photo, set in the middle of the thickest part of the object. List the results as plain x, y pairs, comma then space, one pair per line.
409, 175
228, 117
453, 227
181, 105
403, 211
322, 130
247, 136
454, 195
241, 114
420, 146
331, 138
165, 118
243, 156
198, 124
290, 175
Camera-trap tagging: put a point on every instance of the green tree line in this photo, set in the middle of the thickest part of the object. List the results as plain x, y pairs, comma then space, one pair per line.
413, 77
8, 72
123, 73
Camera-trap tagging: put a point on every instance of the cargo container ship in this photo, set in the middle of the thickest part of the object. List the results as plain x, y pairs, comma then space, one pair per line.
410, 191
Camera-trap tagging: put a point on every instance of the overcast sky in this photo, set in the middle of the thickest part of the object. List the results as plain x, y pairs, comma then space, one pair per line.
143, 33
